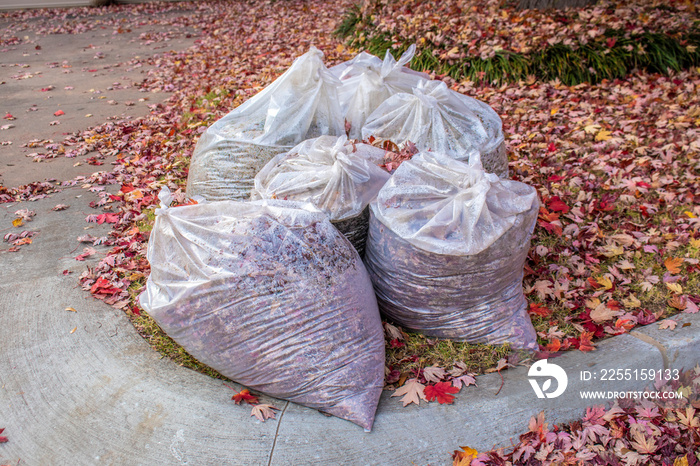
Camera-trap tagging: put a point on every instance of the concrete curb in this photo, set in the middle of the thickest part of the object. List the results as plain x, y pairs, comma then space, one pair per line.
100, 395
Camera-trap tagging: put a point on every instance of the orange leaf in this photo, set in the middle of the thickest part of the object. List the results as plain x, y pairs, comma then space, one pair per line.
464, 457
585, 343
441, 391
673, 264
17, 222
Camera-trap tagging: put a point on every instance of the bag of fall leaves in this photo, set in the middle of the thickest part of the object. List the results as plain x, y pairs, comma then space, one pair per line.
435, 118
446, 248
272, 296
367, 81
338, 176
301, 104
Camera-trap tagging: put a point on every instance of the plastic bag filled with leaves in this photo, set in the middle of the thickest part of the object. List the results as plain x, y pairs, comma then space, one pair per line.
301, 104
368, 81
271, 295
446, 248
436, 118
338, 176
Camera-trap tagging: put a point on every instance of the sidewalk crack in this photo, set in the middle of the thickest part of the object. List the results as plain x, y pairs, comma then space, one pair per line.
277, 431
649, 340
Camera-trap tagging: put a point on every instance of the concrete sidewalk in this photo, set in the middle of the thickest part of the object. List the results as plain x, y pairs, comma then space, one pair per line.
84, 388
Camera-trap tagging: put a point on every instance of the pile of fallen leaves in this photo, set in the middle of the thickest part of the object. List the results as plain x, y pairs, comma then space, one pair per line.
615, 164
633, 431
492, 39
481, 28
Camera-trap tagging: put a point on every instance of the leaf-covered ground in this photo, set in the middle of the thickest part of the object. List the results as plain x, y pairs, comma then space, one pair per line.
615, 164
491, 39
649, 430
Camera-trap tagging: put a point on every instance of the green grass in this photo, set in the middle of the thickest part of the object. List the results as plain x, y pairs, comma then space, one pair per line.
419, 352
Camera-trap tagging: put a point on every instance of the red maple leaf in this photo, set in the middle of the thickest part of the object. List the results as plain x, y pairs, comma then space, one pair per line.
557, 205
440, 391
2, 439
539, 309
585, 343
245, 395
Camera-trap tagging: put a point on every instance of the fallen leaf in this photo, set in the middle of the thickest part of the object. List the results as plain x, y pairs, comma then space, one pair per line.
59, 113
434, 373
673, 264
677, 302
603, 313
603, 135
464, 457
18, 222
9, 116
263, 411
60, 207
71, 309
74, 329
690, 307
412, 392
667, 324
464, 380
3, 439
245, 395
631, 302
441, 391
675, 287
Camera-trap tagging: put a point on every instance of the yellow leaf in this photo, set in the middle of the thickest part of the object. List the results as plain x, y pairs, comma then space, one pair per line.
681, 461
603, 135
17, 222
340, 48
632, 302
612, 250
605, 282
71, 309
690, 214
695, 243
464, 457
74, 329
675, 287
673, 264
554, 111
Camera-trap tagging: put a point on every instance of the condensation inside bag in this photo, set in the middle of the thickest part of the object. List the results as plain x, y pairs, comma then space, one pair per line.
338, 176
446, 248
301, 104
438, 119
269, 294
368, 81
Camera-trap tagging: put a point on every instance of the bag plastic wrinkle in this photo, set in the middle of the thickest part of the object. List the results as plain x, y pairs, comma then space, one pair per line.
446, 248
301, 104
269, 294
438, 119
336, 175
368, 81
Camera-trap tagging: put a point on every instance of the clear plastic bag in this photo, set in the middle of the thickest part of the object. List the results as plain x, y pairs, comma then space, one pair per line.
269, 294
368, 81
436, 118
338, 176
446, 248
300, 104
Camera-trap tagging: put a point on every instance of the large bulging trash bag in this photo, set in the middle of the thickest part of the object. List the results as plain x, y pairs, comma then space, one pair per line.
272, 296
446, 248
436, 118
338, 176
301, 104
368, 81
